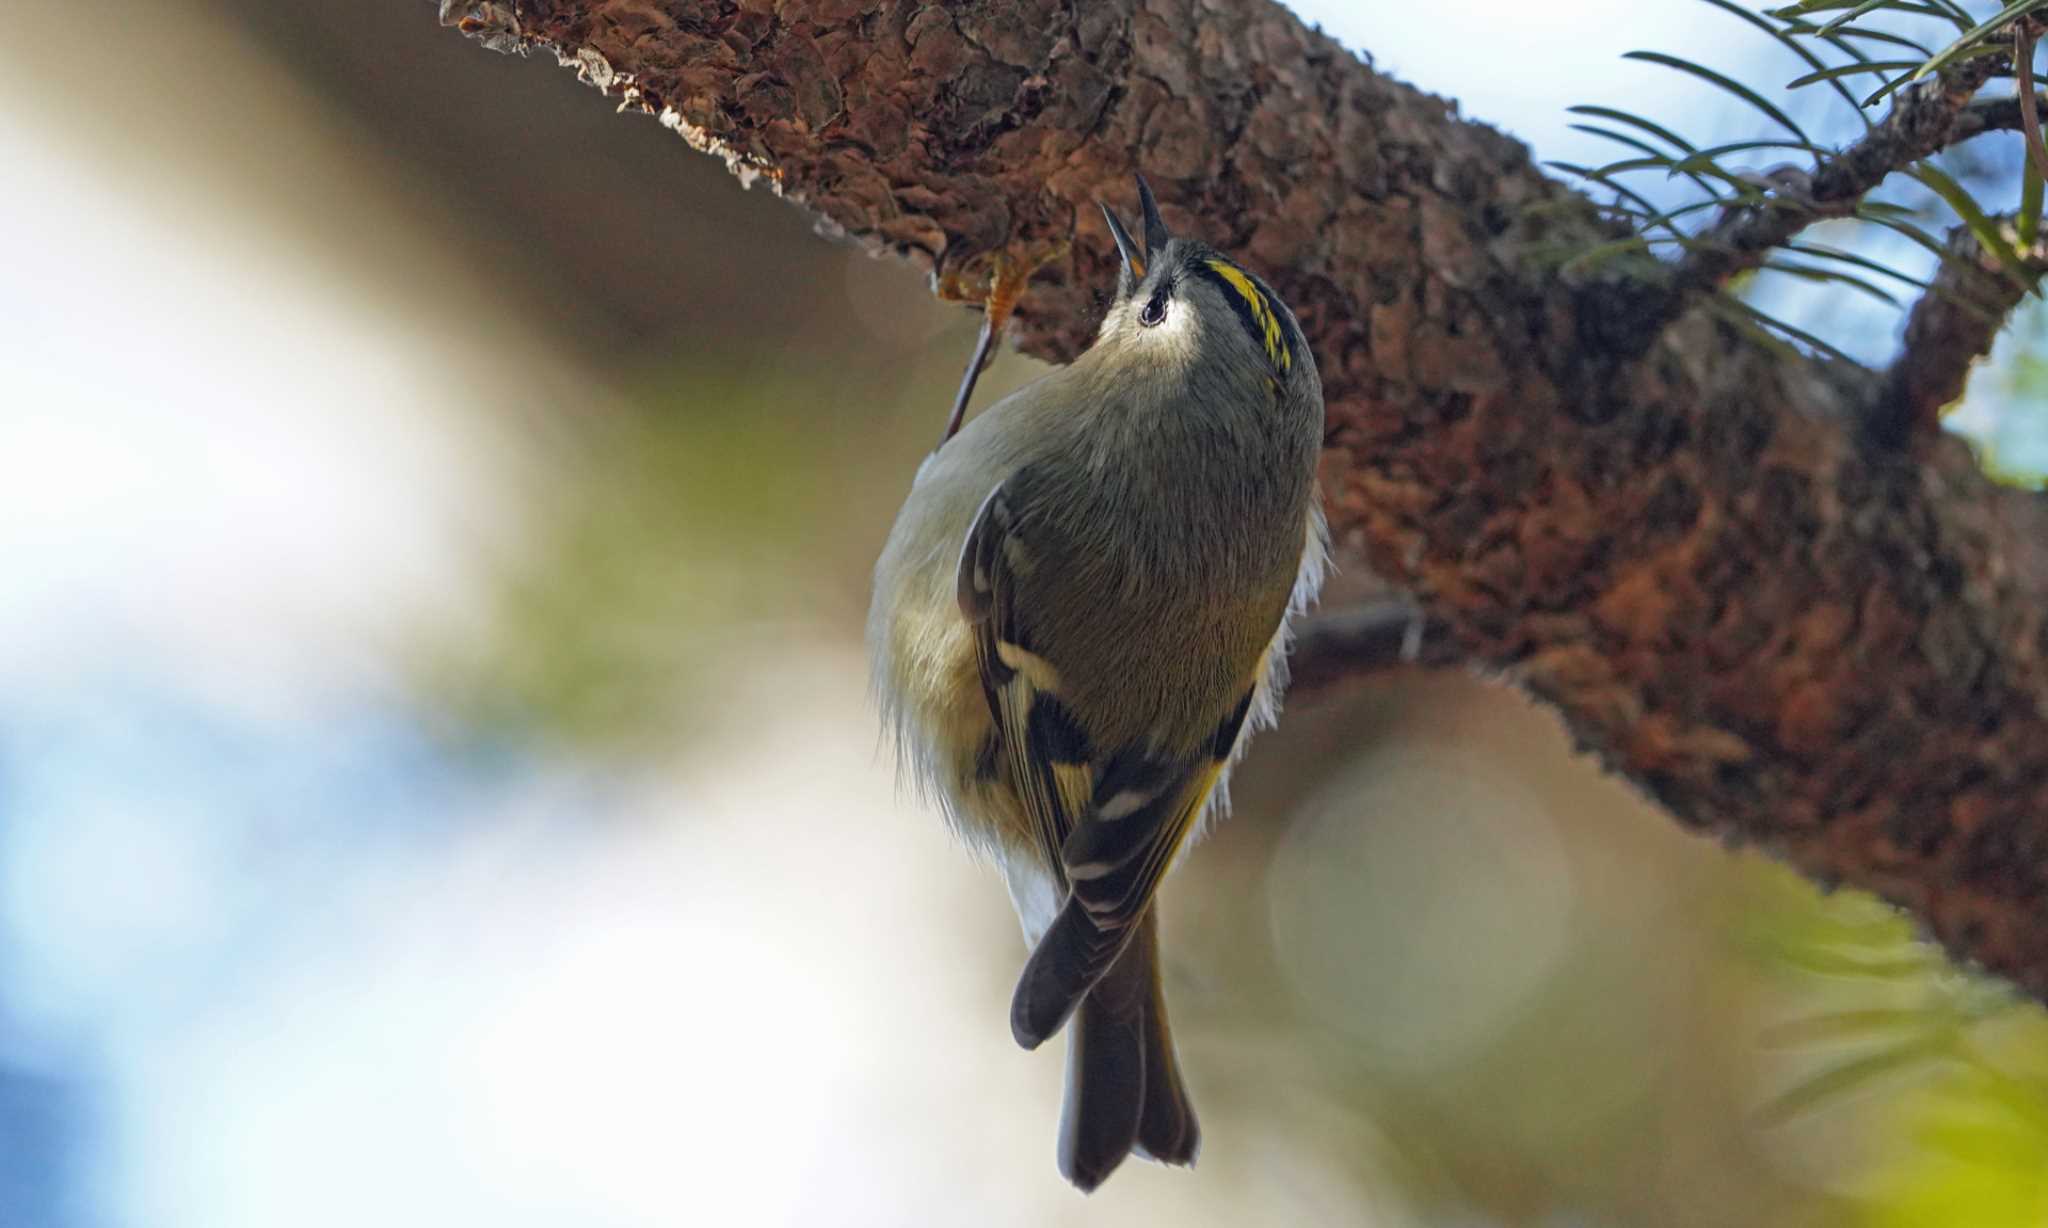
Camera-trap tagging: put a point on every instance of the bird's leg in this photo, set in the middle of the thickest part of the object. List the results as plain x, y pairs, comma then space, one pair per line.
1004, 288
1007, 276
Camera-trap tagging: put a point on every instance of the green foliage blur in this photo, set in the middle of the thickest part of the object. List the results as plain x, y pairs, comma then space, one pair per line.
714, 505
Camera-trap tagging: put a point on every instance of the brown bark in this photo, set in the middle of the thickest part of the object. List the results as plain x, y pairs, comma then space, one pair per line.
1782, 631
1950, 328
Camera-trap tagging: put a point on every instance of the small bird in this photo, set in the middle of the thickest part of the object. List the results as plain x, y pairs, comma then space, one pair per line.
1080, 617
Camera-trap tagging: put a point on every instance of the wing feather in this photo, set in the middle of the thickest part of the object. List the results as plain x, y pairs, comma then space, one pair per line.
1108, 820
1046, 747
1142, 811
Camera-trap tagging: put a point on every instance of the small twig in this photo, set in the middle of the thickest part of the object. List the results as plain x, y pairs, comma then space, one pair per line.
1952, 326
1364, 640
2030, 117
1921, 122
1924, 118
1985, 115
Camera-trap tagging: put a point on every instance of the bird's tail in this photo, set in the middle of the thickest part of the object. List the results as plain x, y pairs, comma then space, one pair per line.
1124, 1088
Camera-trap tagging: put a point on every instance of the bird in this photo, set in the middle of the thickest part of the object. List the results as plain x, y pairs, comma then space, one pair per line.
1081, 615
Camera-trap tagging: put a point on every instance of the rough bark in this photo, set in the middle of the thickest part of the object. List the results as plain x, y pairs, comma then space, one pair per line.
1780, 630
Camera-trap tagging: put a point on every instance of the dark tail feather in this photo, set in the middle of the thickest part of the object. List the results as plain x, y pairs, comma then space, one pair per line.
1124, 1088
1072, 956
1167, 1129
1105, 1091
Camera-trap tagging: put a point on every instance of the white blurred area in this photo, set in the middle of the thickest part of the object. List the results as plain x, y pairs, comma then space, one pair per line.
302, 957
254, 423
259, 432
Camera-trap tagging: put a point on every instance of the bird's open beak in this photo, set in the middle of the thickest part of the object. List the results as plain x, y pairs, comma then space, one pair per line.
1156, 237
1134, 260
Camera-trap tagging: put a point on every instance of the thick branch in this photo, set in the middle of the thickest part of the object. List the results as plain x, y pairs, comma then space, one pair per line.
1777, 630
1950, 328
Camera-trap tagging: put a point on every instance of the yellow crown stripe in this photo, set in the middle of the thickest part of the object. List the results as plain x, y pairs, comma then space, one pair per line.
1265, 321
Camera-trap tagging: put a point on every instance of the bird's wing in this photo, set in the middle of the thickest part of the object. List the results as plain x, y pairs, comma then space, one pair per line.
1139, 815
1109, 818
1050, 755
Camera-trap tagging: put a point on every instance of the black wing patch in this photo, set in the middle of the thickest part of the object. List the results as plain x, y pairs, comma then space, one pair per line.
1045, 746
1139, 815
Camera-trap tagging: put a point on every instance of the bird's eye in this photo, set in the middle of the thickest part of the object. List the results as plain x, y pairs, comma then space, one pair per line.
1154, 310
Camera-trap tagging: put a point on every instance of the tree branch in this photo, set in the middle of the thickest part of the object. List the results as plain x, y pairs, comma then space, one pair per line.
1925, 117
1338, 646
1952, 326
1686, 544
1993, 115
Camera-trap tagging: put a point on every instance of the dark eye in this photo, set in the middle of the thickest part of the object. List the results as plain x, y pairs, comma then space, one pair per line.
1154, 310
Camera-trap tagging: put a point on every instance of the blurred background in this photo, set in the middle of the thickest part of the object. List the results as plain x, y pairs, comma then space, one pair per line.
437, 785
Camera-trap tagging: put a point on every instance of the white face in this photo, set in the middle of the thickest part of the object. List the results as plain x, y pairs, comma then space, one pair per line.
1164, 314
1203, 304
1165, 339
